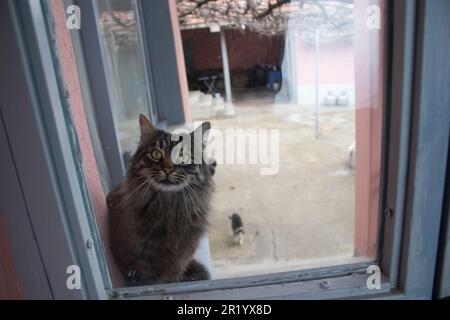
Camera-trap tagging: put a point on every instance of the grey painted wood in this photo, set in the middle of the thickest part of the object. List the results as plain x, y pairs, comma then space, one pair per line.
30, 158
97, 77
27, 259
351, 286
398, 111
89, 107
45, 151
259, 281
429, 149
149, 83
442, 289
36, 125
161, 59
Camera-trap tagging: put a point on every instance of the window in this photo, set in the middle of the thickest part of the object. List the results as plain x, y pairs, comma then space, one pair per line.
395, 79
125, 68
291, 74
129, 65
312, 75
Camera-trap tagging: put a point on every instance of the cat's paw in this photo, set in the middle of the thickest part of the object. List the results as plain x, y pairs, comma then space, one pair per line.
195, 271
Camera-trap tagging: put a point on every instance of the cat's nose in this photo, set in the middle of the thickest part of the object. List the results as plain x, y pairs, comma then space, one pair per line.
167, 165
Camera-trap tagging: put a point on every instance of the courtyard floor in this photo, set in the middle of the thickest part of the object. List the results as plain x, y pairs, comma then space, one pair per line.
301, 217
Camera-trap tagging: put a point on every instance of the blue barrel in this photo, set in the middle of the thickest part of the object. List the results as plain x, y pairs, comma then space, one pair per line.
273, 76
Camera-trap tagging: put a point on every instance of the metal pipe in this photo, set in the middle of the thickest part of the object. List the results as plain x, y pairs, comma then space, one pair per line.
317, 80
229, 109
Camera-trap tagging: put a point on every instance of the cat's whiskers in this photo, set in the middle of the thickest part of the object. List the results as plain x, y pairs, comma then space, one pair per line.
194, 196
142, 195
135, 191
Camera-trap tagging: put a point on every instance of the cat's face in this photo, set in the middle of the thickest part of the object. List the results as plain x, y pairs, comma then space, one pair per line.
161, 162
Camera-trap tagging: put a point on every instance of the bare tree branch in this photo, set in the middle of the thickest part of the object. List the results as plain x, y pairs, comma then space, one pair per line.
267, 16
272, 7
198, 5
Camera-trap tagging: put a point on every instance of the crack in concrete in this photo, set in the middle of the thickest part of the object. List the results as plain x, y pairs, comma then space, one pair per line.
274, 246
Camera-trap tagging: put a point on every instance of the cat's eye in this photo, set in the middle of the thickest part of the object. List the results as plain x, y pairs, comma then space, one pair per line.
156, 155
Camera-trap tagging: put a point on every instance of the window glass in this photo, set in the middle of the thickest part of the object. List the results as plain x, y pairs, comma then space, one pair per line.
293, 91
309, 75
123, 58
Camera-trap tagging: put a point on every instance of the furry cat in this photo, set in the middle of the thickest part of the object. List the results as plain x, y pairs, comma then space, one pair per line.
160, 211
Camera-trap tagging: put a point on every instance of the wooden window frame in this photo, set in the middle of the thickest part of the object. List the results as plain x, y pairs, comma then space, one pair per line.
164, 94
412, 197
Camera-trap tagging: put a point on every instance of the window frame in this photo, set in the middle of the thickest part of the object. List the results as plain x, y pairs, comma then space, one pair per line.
164, 95
408, 267
96, 76
442, 288
53, 228
424, 103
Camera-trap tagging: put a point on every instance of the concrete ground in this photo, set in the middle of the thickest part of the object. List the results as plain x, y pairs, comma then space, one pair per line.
301, 217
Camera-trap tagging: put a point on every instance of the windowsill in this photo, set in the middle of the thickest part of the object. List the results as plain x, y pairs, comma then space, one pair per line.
329, 283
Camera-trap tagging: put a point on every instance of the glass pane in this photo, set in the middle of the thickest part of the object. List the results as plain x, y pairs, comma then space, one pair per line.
309, 74
126, 69
293, 91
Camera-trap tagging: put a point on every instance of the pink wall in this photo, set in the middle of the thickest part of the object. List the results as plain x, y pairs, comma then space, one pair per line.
336, 63
369, 58
90, 168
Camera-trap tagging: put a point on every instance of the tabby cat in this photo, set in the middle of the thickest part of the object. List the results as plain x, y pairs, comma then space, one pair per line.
160, 211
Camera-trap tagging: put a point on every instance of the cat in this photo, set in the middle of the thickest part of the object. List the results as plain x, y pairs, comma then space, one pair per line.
238, 228
158, 214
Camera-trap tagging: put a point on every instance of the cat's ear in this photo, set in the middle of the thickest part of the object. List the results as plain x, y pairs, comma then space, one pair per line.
202, 132
147, 129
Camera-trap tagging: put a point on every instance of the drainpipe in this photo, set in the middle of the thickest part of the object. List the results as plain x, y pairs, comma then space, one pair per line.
317, 80
229, 109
